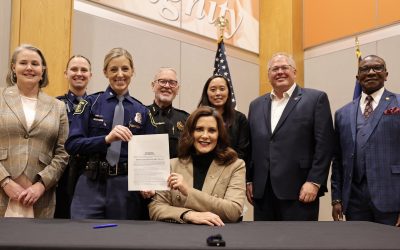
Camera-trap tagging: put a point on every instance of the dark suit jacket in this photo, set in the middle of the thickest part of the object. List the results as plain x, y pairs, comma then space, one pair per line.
382, 151
299, 149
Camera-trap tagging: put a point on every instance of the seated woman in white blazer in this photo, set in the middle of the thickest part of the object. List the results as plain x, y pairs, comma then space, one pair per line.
207, 181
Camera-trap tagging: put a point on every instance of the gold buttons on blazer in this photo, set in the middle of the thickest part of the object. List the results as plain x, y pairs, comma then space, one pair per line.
178, 197
216, 195
26, 136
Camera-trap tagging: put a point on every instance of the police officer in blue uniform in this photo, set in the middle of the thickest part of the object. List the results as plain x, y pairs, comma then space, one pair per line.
101, 127
78, 73
167, 119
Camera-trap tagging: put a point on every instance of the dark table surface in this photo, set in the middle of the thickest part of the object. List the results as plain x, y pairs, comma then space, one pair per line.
73, 234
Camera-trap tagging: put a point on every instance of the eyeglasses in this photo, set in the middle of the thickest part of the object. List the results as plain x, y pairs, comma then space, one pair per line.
284, 68
375, 68
164, 82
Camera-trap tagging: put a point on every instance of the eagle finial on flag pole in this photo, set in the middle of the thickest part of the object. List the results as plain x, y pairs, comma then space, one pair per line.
221, 22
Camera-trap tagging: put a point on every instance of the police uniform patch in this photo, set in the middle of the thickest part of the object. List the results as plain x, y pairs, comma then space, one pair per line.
138, 118
80, 107
180, 125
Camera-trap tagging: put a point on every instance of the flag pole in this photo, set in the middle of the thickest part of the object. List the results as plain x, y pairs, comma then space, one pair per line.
357, 87
358, 51
221, 63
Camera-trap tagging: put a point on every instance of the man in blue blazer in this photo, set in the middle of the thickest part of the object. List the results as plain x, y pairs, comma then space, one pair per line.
292, 144
366, 163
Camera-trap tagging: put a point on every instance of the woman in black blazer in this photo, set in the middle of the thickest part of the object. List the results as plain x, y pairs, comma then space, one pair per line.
217, 94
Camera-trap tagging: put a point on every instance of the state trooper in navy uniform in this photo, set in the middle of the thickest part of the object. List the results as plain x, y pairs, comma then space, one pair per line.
102, 190
166, 118
78, 73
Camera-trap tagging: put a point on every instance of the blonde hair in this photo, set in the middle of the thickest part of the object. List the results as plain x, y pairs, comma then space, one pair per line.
117, 52
11, 78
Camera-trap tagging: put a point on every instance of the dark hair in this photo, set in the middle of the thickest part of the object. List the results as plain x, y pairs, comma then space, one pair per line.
224, 155
228, 106
376, 57
79, 56
11, 78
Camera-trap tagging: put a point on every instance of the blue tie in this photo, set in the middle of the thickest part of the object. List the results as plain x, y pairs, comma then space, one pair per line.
114, 150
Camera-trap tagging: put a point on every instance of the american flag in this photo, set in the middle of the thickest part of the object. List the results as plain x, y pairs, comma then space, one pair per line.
221, 67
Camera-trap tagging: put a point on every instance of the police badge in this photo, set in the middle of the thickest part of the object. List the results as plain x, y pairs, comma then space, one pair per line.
138, 118
180, 125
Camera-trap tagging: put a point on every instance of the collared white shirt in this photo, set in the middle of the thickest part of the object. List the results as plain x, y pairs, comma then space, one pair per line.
278, 105
376, 98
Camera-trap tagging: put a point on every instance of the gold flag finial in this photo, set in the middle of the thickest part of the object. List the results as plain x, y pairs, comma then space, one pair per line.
358, 51
221, 22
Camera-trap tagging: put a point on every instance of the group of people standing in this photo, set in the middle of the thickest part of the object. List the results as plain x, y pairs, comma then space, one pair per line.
279, 157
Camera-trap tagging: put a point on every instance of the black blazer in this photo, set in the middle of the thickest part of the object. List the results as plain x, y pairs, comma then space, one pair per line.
299, 149
239, 135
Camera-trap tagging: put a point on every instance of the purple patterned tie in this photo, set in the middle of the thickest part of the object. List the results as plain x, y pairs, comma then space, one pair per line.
368, 107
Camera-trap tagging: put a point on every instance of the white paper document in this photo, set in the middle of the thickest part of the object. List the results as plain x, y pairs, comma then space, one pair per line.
148, 162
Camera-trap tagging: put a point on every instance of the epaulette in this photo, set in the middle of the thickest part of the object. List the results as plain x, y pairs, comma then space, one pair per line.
95, 96
136, 100
61, 97
80, 107
182, 111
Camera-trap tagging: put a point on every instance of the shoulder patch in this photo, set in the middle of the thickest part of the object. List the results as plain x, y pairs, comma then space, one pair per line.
81, 107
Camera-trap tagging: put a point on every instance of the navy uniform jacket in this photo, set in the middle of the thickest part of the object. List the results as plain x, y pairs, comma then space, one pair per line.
71, 102
93, 119
169, 121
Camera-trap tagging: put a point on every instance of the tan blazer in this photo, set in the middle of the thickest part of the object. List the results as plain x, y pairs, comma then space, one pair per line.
223, 193
37, 151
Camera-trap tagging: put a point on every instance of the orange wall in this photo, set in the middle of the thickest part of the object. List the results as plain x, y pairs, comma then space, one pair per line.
328, 20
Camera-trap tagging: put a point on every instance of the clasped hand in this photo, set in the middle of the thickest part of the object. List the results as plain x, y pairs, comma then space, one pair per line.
26, 197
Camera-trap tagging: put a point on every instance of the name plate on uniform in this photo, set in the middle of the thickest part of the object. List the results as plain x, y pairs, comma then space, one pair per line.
148, 162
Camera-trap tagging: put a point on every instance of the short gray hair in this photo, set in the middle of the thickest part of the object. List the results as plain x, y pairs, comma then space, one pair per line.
288, 57
162, 69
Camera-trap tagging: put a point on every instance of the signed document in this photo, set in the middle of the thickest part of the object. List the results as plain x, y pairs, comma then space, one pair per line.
148, 162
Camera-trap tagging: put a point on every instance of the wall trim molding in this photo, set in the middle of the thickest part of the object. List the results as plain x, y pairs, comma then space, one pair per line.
349, 42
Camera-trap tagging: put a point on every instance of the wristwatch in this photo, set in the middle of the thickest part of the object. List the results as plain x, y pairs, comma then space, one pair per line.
334, 202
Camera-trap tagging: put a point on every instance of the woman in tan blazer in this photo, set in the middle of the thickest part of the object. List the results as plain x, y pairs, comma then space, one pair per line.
33, 129
207, 180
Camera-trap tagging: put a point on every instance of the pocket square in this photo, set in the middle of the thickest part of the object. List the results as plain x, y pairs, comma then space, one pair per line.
392, 111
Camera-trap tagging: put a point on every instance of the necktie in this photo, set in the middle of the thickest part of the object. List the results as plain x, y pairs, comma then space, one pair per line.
76, 102
368, 107
114, 150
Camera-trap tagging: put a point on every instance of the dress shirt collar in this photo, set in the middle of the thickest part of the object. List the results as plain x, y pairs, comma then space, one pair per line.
162, 111
286, 94
74, 98
376, 96
111, 94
